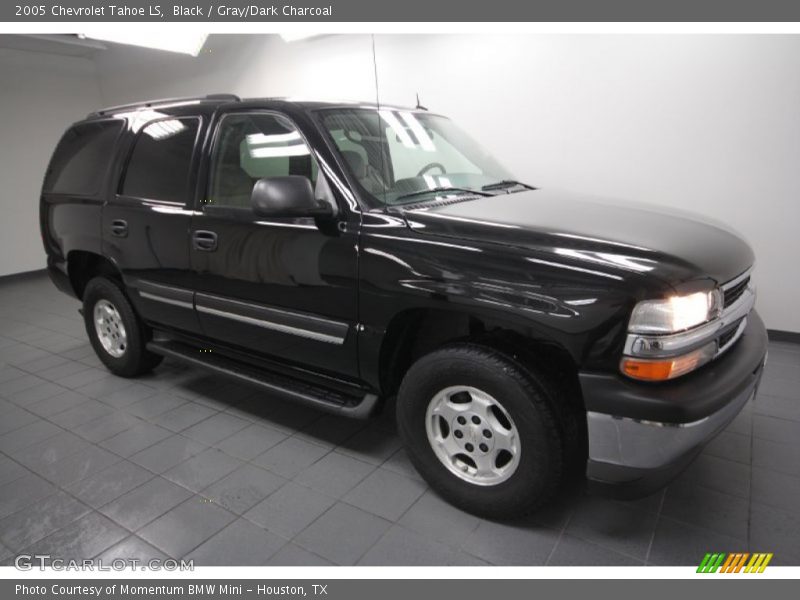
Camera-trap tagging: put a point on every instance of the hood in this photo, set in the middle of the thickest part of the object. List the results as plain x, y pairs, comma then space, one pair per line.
674, 246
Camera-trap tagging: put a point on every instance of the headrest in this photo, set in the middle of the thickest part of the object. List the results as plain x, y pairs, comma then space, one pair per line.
356, 163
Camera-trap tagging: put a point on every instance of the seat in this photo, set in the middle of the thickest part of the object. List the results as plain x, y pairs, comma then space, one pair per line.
366, 174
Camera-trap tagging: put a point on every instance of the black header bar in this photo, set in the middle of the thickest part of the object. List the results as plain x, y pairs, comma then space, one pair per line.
440, 11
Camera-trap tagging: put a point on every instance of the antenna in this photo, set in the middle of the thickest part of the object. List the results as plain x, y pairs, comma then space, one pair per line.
419, 106
381, 130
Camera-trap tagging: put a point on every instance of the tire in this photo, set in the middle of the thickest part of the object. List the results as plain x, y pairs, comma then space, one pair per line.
120, 339
504, 488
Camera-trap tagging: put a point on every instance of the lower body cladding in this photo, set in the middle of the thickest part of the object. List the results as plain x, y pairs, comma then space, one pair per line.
642, 435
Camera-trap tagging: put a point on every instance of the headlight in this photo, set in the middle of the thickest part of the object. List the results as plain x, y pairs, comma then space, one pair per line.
667, 368
662, 342
675, 314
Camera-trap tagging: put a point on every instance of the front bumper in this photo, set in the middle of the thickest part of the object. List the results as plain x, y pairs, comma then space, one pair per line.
642, 435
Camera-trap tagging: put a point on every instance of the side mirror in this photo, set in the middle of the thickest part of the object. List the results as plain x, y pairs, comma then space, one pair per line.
289, 196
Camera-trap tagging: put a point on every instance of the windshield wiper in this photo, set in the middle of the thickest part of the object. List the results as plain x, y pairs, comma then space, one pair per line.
505, 183
439, 190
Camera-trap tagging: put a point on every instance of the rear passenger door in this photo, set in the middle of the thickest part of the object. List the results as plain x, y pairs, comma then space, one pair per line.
146, 224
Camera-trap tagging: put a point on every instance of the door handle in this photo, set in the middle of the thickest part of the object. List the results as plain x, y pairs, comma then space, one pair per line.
204, 240
119, 228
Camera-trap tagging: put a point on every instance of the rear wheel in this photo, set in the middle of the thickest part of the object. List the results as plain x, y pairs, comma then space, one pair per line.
116, 332
480, 429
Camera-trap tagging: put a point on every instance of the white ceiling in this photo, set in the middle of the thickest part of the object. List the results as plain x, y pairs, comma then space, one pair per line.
65, 45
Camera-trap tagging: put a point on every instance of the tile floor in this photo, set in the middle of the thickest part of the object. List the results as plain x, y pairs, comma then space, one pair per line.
179, 464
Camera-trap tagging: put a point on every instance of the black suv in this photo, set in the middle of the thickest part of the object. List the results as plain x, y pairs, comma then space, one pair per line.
340, 255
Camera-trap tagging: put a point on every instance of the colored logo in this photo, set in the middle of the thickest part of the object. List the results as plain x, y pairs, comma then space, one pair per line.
736, 562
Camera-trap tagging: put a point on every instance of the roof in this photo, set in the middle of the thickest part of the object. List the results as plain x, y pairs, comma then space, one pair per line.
213, 100
165, 102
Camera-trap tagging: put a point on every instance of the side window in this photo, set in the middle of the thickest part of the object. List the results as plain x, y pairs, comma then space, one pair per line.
161, 159
250, 147
81, 158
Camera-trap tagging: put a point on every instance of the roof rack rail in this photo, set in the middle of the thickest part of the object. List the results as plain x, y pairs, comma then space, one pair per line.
163, 101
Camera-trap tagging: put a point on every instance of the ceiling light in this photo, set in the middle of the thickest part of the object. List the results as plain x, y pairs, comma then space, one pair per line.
296, 36
397, 127
257, 139
183, 43
420, 133
279, 151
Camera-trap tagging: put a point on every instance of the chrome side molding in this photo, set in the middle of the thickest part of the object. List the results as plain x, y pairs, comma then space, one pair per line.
166, 294
276, 319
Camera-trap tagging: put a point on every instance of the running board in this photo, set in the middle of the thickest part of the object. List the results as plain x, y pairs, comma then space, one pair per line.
315, 396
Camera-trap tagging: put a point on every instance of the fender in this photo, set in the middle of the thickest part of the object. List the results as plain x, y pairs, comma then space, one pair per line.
501, 288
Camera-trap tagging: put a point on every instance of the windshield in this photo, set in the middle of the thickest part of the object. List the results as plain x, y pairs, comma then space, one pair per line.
400, 156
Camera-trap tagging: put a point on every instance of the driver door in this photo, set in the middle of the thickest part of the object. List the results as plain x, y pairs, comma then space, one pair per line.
284, 288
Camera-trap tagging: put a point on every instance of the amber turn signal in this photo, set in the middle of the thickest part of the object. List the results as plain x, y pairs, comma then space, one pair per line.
662, 369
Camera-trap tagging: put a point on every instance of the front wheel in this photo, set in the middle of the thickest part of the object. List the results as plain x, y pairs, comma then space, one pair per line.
480, 429
115, 331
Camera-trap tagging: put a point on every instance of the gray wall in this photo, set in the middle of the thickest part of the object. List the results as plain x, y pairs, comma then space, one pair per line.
707, 123
40, 95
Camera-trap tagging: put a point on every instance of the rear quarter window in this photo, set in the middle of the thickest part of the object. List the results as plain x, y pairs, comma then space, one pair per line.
81, 159
161, 160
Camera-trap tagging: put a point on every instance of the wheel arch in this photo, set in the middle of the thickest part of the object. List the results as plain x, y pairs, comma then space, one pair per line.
537, 355
83, 266
414, 332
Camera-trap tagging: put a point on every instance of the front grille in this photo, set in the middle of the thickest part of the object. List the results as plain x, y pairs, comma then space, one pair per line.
726, 337
732, 294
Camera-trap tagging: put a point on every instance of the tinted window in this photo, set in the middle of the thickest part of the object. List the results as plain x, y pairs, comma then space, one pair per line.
161, 159
251, 147
81, 158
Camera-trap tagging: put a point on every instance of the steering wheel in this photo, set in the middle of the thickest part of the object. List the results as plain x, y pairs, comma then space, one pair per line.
432, 165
